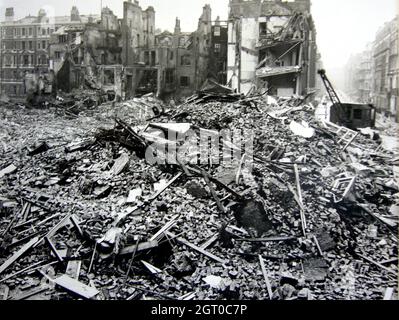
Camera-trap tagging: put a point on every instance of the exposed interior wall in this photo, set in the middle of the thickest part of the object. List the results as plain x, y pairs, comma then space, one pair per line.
249, 54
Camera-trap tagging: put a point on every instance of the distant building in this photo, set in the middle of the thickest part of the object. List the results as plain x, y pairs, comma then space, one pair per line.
359, 76
218, 55
138, 33
272, 44
25, 44
373, 75
186, 59
112, 54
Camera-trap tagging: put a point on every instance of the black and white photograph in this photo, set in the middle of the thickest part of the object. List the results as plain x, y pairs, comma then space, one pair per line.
183, 151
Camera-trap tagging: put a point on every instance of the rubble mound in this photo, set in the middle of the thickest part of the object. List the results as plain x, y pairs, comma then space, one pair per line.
309, 213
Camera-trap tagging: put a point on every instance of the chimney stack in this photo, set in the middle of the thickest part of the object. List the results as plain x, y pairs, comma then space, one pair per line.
9, 14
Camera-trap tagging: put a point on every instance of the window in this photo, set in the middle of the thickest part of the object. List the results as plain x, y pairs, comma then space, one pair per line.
216, 32
43, 44
109, 77
30, 31
38, 45
217, 47
171, 55
357, 114
182, 42
146, 57
185, 60
30, 45
57, 54
263, 29
23, 45
23, 31
184, 82
170, 76
26, 60
7, 61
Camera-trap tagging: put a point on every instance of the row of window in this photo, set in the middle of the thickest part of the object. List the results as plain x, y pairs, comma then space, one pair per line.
27, 31
25, 60
25, 45
170, 79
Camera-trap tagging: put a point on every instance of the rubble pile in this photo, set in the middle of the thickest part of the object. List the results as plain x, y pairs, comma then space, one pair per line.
311, 213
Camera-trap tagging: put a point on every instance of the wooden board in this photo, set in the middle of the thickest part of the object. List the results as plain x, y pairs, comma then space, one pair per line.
18, 254
73, 269
141, 247
200, 250
76, 287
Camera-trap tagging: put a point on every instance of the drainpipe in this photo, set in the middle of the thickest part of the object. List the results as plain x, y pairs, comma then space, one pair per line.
1, 60
239, 39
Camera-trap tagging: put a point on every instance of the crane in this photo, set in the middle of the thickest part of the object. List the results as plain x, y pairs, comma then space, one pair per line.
349, 115
336, 102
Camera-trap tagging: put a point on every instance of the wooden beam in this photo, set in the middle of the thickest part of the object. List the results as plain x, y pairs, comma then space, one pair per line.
18, 254
268, 285
76, 287
140, 247
377, 264
213, 192
198, 249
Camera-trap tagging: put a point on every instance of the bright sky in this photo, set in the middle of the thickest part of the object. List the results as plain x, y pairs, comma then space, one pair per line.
344, 27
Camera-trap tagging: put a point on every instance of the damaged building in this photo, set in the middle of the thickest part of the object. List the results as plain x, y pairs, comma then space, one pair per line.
88, 55
25, 44
272, 44
114, 55
188, 59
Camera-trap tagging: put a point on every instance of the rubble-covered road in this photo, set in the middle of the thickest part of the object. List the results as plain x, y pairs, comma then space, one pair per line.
83, 215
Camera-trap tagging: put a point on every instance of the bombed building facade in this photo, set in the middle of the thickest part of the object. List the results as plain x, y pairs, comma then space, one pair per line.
185, 58
25, 44
272, 45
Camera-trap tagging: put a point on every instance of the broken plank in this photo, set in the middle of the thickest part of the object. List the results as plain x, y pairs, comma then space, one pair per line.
154, 270
30, 293
157, 194
29, 269
377, 264
141, 247
213, 192
268, 285
8, 170
75, 223
4, 290
271, 239
120, 164
73, 269
132, 259
166, 227
53, 249
318, 246
210, 241
388, 294
76, 287
18, 254
197, 170
200, 250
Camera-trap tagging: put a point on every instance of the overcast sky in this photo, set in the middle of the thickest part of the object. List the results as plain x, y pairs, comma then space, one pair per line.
344, 26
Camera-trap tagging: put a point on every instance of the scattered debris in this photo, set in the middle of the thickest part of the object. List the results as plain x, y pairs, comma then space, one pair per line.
82, 208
